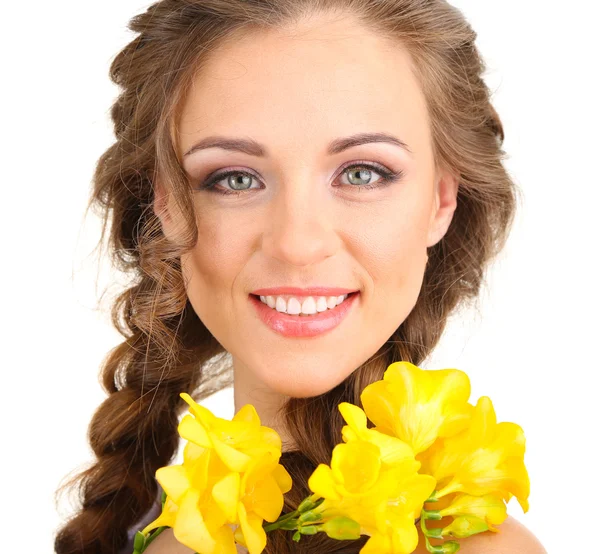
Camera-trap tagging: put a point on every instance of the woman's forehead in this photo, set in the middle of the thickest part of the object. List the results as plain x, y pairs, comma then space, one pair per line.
293, 91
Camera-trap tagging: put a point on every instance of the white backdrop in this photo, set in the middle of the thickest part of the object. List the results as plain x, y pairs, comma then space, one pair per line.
530, 347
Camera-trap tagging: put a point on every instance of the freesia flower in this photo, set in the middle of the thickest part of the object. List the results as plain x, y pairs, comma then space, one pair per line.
430, 455
487, 457
476, 463
392, 449
418, 406
237, 441
230, 475
465, 526
490, 508
383, 499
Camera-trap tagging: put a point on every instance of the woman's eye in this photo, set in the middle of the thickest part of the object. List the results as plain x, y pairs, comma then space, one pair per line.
360, 176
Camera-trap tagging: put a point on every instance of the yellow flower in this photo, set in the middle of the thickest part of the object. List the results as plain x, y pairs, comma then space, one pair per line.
418, 406
428, 442
465, 526
485, 458
230, 475
382, 498
400, 541
472, 514
490, 508
262, 491
392, 449
237, 441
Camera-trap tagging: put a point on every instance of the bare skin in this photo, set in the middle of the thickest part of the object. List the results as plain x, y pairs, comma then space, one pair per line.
303, 223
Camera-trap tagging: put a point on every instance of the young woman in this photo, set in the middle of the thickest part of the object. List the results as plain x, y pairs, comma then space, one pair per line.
303, 191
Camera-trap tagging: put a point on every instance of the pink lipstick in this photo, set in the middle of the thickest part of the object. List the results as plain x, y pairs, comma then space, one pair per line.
303, 325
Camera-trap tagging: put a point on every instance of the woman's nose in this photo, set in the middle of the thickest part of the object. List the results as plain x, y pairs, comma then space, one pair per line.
300, 229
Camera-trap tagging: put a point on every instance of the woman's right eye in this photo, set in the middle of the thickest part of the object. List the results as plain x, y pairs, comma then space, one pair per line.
239, 181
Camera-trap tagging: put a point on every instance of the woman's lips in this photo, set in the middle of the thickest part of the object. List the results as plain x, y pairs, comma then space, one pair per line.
305, 325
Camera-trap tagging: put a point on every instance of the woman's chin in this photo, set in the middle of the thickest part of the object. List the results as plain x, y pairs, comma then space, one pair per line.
301, 384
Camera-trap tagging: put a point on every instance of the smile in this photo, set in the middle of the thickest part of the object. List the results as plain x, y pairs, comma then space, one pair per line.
309, 305
325, 313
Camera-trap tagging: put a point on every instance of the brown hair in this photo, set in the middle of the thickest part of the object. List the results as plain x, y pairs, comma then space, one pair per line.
166, 348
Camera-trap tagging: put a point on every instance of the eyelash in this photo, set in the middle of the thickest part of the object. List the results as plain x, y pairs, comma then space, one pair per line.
387, 178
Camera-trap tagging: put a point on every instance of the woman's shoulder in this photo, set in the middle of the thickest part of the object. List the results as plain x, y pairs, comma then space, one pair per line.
512, 538
166, 543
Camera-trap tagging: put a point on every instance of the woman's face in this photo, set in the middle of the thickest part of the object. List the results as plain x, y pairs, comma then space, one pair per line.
304, 214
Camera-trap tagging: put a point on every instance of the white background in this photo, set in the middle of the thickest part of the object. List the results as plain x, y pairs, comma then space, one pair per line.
532, 348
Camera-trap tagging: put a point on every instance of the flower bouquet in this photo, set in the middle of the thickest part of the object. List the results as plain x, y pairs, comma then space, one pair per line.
429, 455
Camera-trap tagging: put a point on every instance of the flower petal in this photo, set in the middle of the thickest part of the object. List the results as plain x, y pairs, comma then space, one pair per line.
204, 415
322, 482
190, 429
267, 499
226, 494
174, 481
356, 465
405, 537
166, 518
248, 414
254, 534
465, 526
190, 528
353, 415
376, 544
283, 478
232, 458
225, 541
490, 507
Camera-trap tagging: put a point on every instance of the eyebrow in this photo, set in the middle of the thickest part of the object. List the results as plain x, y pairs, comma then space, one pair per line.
253, 148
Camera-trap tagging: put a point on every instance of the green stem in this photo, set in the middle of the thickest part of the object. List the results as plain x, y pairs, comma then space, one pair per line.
150, 538
428, 545
283, 519
310, 502
447, 547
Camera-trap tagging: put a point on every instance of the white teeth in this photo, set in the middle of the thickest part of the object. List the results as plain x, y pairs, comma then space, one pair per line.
332, 302
321, 304
293, 306
309, 306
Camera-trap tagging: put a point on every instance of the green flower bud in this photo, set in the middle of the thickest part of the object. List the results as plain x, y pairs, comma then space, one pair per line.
446, 548
465, 526
309, 504
309, 516
309, 529
341, 528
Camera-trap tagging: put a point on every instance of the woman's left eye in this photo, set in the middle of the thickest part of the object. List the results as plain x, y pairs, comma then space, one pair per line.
359, 177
